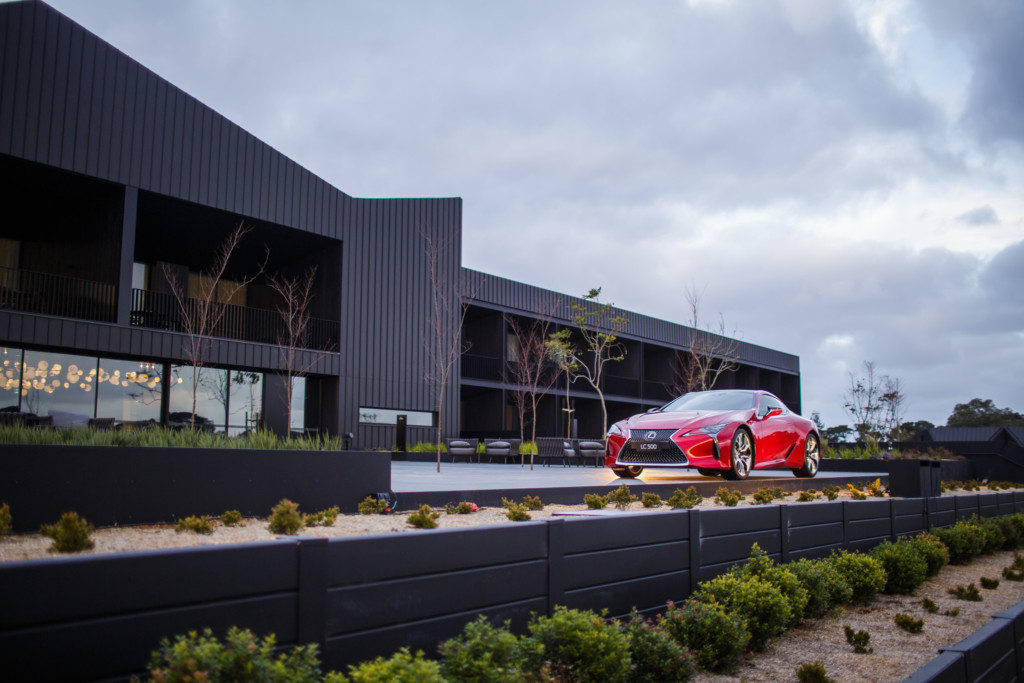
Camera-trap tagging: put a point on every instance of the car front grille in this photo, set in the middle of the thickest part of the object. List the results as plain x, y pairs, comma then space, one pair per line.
668, 454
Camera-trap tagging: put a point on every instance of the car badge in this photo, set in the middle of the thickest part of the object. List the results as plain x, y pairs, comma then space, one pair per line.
650, 436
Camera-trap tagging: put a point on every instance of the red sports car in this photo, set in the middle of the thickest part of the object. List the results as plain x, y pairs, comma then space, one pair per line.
728, 432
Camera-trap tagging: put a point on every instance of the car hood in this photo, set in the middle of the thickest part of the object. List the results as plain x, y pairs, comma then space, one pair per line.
689, 419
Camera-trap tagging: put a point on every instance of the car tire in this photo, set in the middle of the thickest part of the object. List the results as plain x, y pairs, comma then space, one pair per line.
708, 472
741, 456
631, 472
812, 457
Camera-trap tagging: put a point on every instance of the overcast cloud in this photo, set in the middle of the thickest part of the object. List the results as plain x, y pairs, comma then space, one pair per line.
843, 178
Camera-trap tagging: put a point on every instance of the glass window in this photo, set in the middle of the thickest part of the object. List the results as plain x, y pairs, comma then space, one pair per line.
245, 403
129, 391
388, 416
59, 385
10, 379
140, 276
212, 393
298, 403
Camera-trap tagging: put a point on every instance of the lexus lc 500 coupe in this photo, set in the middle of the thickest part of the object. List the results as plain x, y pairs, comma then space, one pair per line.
727, 432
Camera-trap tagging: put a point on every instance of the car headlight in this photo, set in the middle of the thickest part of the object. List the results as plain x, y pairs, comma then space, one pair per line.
616, 430
710, 430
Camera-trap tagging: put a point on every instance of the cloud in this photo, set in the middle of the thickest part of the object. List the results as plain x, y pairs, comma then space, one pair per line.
982, 215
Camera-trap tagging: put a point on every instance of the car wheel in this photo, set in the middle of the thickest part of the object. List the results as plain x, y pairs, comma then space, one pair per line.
742, 456
631, 472
812, 457
708, 472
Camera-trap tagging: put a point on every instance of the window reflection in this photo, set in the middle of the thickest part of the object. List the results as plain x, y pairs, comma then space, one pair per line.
245, 402
298, 403
59, 385
129, 391
10, 380
212, 393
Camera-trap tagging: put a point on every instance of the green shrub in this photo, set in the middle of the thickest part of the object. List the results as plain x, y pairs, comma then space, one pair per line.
655, 654
856, 492
371, 505
651, 500
70, 534
576, 645
864, 574
859, 640
424, 518
595, 501
622, 497
814, 577
716, 636
482, 653
831, 492
930, 606
808, 496
462, 508
5, 518
972, 485
909, 623
762, 605
760, 567
952, 613
401, 667
197, 525
969, 593
933, 550
533, 503
1012, 533
202, 657
812, 672
905, 568
231, 518
426, 447
1015, 572
989, 584
685, 501
724, 496
516, 512
876, 489
322, 518
991, 532
963, 540
285, 518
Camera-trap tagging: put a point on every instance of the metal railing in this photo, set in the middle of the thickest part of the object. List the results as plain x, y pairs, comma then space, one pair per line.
161, 311
58, 295
481, 367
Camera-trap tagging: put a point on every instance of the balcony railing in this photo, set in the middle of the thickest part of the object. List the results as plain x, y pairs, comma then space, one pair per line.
161, 311
621, 386
58, 295
481, 367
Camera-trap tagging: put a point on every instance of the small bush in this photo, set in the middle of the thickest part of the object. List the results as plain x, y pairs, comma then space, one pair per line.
1015, 572
930, 605
401, 667
864, 574
952, 613
322, 518
482, 653
934, 551
765, 496
576, 645
5, 519
622, 497
595, 501
716, 636
909, 623
856, 493
426, 447
876, 489
651, 500
831, 492
371, 505
969, 593
815, 578
989, 584
905, 568
972, 485
231, 518
533, 503
516, 512
963, 540
285, 518
462, 508
655, 654
859, 640
424, 518
70, 534
1012, 533
760, 567
202, 657
685, 501
766, 610
808, 496
724, 496
812, 672
197, 525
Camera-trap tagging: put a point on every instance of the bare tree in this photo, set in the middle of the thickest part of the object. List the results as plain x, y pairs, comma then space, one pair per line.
296, 294
443, 341
711, 352
200, 315
876, 403
598, 325
531, 372
893, 402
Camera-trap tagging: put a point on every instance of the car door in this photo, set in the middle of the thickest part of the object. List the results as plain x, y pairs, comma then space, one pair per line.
773, 431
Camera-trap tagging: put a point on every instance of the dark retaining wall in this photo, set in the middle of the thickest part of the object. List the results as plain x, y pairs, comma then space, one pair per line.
98, 617
995, 653
135, 485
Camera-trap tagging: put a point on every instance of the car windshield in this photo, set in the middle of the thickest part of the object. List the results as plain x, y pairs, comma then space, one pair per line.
713, 400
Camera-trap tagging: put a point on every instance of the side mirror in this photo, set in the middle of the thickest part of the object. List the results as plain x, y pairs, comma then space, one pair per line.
772, 412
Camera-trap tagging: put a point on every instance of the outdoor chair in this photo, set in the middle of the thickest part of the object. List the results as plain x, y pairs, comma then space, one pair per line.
505, 449
103, 423
591, 452
462, 448
552, 448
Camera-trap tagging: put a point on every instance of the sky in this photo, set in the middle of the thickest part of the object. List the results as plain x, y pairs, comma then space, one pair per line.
843, 181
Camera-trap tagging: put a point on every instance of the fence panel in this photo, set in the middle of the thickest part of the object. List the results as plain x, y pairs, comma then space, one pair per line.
815, 530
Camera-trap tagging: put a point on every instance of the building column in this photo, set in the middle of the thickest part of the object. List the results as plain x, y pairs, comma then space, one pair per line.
124, 280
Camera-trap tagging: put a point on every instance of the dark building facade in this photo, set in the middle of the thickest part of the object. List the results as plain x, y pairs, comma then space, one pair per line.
118, 189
